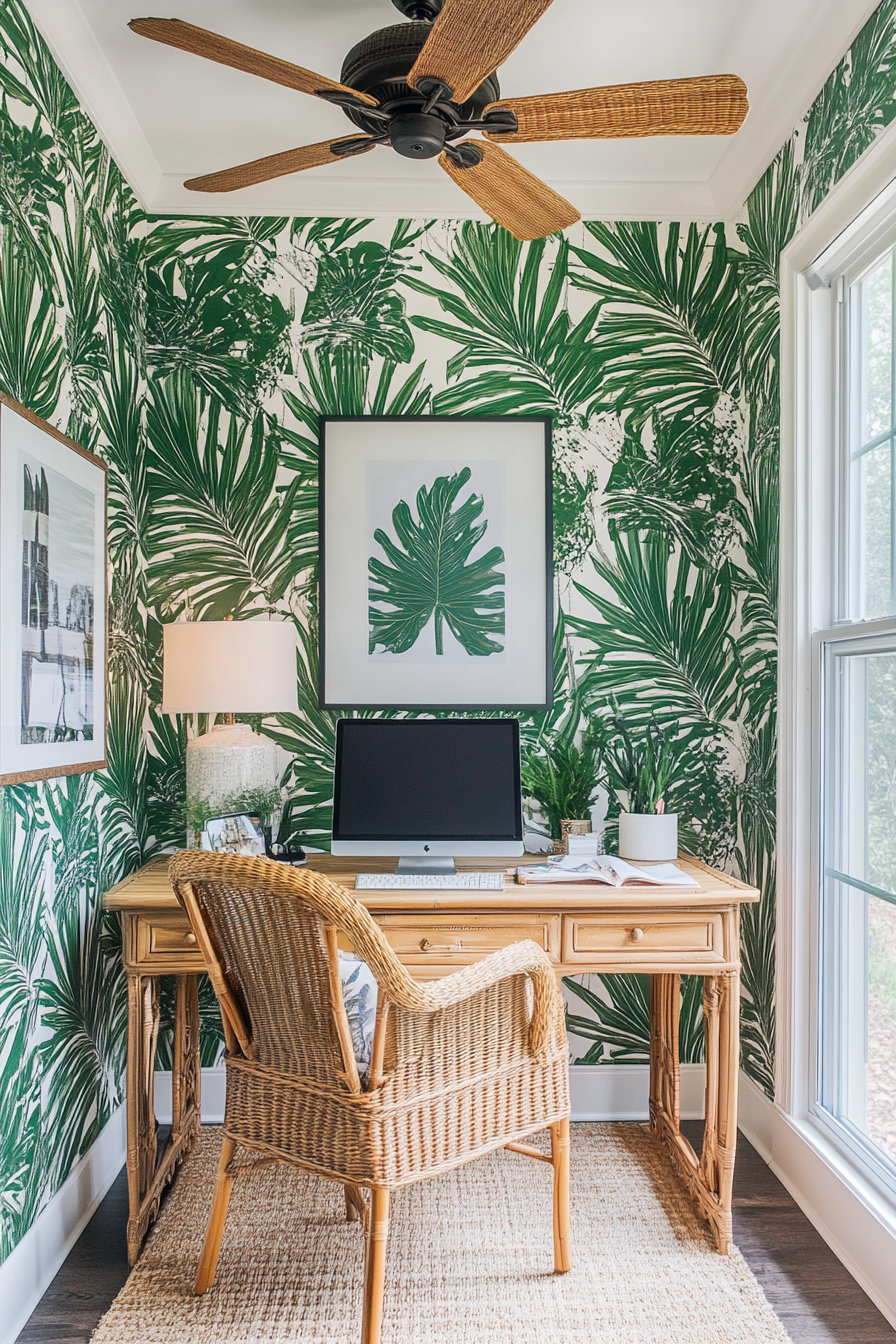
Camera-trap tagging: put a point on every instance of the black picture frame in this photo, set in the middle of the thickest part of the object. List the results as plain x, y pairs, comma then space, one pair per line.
526, 459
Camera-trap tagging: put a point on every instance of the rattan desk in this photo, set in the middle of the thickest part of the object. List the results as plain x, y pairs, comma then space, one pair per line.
663, 932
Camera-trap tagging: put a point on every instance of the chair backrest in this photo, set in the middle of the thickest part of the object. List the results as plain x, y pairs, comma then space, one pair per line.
270, 941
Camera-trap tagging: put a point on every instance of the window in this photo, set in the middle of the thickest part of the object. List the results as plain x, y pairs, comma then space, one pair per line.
855, 1088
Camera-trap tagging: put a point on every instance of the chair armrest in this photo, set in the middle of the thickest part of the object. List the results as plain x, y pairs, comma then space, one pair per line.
369, 942
522, 958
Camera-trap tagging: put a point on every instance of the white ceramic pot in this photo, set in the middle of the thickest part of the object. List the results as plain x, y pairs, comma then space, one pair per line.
648, 836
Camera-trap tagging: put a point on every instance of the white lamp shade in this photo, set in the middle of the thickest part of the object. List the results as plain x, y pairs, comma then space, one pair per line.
229, 667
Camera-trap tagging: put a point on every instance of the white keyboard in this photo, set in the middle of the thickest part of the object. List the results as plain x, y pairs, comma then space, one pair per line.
429, 881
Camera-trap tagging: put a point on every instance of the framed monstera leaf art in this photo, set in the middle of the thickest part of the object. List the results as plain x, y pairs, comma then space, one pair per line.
436, 549
52, 601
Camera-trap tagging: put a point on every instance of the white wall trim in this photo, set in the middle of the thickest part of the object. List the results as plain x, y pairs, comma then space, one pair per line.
845, 1210
622, 1091
211, 1088
807, 525
29, 1270
598, 1092
84, 64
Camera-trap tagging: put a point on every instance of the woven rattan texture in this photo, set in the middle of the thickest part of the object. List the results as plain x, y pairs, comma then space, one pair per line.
468, 1063
468, 1263
273, 165
471, 39
201, 42
714, 105
507, 191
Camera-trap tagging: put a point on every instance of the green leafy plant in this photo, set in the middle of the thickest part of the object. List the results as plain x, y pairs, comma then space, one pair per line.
256, 802
561, 779
635, 769
431, 574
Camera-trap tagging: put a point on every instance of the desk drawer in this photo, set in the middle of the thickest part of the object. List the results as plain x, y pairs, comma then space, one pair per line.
162, 944
647, 938
449, 941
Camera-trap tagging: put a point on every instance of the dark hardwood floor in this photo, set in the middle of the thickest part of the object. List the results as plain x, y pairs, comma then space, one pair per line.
814, 1296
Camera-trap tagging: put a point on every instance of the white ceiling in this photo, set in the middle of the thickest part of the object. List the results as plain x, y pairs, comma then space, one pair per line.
167, 115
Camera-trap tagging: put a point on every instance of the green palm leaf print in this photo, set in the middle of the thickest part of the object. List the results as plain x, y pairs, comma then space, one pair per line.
431, 574
668, 335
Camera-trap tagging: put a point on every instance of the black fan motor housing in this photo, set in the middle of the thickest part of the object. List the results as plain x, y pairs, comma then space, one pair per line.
379, 65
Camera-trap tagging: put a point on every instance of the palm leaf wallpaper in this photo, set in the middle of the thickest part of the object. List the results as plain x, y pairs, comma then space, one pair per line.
196, 356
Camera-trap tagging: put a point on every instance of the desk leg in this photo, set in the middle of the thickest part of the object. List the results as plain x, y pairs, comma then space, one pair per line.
143, 1031
147, 1174
185, 1075
713, 1183
665, 1075
708, 1179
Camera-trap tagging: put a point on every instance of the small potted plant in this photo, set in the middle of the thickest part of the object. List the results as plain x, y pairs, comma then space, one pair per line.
637, 773
561, 779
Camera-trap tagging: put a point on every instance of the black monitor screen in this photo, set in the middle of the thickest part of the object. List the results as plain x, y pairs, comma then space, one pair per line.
427, 779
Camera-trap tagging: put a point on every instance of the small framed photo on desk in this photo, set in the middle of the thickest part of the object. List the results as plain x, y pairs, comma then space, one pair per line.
239, 833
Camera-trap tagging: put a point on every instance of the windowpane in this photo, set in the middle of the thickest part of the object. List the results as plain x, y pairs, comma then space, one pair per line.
877, 351
882, 1025
874, 485
872, 445
882, 772
857, 1019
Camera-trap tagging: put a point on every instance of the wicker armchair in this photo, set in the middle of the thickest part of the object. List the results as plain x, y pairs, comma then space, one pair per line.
459, 1067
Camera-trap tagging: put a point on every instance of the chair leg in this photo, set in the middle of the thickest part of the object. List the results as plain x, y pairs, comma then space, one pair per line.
208, 1260
560, 1158
375, 1267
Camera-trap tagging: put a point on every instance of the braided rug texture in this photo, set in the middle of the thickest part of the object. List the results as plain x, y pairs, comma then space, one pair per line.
469, 1260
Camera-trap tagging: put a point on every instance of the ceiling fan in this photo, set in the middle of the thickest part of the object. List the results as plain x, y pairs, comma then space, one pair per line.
420, 87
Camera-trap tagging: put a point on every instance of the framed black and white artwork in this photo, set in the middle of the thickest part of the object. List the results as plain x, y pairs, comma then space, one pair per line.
436, 563
52, 601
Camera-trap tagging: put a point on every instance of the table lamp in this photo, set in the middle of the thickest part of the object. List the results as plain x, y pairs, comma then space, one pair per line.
226, 668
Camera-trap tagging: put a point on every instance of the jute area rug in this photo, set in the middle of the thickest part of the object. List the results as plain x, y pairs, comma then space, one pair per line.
469, 1261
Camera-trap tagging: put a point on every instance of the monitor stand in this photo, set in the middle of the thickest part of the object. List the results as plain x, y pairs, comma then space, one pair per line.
422, 864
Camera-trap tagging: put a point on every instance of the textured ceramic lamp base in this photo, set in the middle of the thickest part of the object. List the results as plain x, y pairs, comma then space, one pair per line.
228, 760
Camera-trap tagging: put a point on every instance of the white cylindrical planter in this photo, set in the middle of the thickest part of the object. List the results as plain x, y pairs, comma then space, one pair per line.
648, 836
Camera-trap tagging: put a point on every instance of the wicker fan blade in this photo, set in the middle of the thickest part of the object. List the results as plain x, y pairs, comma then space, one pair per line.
712, 105
199, 41
470, 39
504, 189
278, 165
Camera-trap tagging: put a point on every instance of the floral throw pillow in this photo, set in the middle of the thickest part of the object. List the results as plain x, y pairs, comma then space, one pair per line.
359, 991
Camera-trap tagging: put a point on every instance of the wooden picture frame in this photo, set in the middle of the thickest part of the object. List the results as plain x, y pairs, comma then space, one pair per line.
53, 601
386, 640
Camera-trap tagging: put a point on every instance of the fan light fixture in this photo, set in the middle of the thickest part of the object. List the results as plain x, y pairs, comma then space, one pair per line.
421, 87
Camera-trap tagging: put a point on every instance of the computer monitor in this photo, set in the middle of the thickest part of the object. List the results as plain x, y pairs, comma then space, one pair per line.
427, 790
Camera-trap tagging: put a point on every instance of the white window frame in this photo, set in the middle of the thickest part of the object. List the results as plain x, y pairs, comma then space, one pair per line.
860, 638
855, 220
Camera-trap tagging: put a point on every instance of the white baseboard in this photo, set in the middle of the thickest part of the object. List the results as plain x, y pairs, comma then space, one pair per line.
622, 1091
29, 1270
598, 1092
211, 1090
848, 1213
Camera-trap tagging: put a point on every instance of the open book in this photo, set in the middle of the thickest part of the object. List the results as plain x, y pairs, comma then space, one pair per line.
606, 869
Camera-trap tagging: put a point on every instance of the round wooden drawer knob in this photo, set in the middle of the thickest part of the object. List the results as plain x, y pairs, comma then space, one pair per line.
189, 937
636, 935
